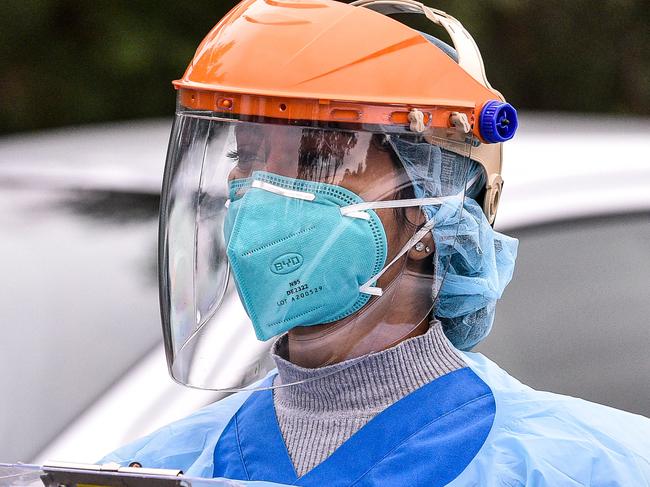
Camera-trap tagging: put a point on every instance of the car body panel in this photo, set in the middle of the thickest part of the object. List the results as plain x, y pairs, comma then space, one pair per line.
559, 169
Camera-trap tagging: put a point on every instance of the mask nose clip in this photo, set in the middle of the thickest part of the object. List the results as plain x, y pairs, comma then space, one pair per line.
289, 193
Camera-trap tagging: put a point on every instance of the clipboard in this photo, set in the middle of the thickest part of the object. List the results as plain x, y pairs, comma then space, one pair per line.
65, 474
58, 474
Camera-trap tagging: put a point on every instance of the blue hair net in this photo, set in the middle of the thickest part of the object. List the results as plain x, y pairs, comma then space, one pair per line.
473, 263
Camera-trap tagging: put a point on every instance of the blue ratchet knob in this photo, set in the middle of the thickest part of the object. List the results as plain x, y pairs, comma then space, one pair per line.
498, 121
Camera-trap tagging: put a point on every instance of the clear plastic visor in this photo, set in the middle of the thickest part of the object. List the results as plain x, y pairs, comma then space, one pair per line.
270, 226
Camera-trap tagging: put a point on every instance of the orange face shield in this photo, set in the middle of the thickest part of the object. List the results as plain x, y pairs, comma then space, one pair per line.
300, 138
327, 61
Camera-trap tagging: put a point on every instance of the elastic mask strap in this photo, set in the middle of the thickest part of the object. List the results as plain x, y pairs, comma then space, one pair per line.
358, 210
366, 288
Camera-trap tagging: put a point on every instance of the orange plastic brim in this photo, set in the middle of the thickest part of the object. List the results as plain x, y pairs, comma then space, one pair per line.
327, 61
437, 117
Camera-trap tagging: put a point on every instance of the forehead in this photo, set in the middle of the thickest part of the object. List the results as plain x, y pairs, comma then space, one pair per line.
328, 141
353, 159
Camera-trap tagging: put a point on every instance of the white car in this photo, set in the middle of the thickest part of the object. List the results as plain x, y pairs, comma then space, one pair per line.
575, 319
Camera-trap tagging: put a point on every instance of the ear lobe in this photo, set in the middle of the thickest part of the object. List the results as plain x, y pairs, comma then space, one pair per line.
424, 249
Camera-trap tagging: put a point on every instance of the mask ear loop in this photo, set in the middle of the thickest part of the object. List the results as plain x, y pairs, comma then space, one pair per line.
357, 210
366, 288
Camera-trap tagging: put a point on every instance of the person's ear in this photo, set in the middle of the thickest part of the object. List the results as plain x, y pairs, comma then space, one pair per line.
425, 247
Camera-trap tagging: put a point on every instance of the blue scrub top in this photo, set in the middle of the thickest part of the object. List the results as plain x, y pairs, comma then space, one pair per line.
473, 426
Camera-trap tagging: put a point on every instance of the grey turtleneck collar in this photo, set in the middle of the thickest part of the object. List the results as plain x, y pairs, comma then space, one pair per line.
318, 415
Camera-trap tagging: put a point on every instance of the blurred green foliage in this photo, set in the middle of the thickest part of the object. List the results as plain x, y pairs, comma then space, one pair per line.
72, 61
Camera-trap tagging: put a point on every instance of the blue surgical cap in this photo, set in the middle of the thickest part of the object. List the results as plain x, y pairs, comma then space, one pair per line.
473, 263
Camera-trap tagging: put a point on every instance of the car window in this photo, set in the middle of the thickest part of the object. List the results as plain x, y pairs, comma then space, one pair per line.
78, 304
576, 317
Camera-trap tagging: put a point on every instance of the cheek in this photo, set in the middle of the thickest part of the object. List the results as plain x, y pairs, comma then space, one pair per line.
397, 232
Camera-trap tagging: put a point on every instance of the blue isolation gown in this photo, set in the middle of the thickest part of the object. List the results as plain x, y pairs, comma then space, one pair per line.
473, 426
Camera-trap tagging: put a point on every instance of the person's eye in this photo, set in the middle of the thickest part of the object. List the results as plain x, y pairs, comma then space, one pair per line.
244, 160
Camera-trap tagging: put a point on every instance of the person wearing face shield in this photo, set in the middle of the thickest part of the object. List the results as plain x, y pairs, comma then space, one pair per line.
333, 176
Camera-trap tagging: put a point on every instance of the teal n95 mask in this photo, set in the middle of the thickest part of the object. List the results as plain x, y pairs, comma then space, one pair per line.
296, 258
270, 226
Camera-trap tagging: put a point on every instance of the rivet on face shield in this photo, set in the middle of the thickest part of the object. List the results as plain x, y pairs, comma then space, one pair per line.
225, 103
420, 247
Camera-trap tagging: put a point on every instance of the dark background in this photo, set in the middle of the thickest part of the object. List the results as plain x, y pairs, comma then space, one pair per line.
72, 62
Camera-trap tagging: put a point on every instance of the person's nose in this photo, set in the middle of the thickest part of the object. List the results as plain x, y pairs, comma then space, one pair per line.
281, 162
274, 164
